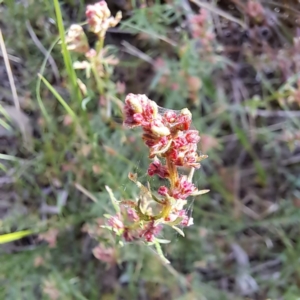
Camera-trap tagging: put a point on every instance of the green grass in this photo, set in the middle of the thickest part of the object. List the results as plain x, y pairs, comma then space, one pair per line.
60, 184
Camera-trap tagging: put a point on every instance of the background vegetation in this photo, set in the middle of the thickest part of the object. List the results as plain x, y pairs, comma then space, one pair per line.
238, 72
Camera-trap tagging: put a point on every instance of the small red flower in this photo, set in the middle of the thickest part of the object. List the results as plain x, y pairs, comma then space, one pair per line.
192, 136
128, 235
115, 222
107, 255
183, 120
151, 231
163, 190
132, 215
183, 188
170, 116
187, 221
156, 168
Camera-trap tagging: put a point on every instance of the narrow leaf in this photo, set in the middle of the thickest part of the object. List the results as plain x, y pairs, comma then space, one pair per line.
178, 230
66, 54
58, 97
200, 192
160, 253
163, 241
114, 201
10, 237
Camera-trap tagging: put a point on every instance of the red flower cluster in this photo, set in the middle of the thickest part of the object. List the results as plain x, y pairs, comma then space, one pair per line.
167, 135
171, 144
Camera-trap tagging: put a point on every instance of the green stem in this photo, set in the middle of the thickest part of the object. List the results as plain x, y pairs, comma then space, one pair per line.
97, 77
100, 44
162, 202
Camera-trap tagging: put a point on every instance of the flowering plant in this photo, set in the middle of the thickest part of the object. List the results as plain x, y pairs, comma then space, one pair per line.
172, 144
98, 60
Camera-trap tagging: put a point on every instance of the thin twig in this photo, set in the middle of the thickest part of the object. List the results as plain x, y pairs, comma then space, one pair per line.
158, 36
43, 50
219, 12
136, 52
268, 264
13, 58
85, 192
273, 113
18, 114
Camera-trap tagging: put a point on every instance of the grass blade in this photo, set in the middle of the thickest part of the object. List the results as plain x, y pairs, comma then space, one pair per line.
66, 54
10, 237
65, 106
8, 157
38, 84
58, 97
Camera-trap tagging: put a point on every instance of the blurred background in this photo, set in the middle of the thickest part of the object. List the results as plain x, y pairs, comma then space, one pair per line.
235, 64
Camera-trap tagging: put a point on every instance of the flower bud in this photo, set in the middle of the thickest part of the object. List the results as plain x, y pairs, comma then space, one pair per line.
132, 215
186, 112
170, 116
76, 39
134, 102
159, 129
192, 136
157, 168
115, 222
187, 221
163, 190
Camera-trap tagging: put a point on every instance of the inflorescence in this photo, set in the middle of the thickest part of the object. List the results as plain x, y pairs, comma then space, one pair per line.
172, 145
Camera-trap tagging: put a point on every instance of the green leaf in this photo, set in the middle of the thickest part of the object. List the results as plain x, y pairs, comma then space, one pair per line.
160, 253
38, 84
84, 102
59, 98
114, 201
178, 230
198, 193
162, 241
8, 157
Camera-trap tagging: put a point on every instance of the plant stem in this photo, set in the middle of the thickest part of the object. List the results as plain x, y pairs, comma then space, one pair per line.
100, 44
97, 78
173, 173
